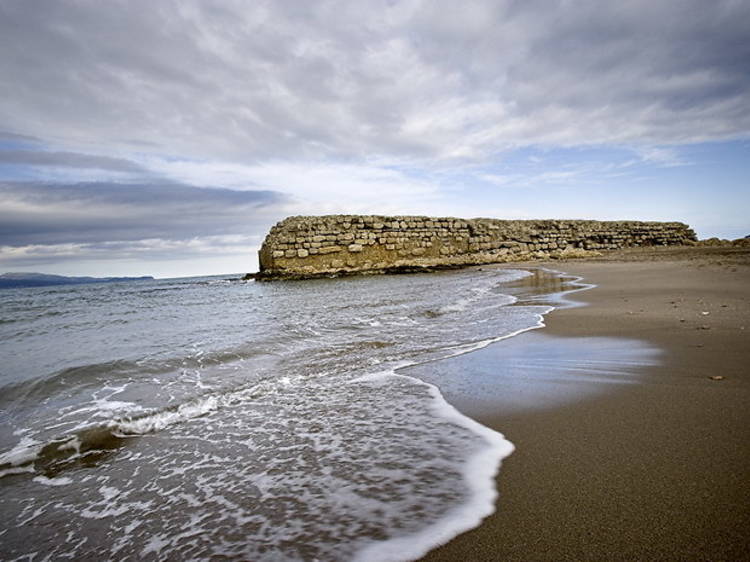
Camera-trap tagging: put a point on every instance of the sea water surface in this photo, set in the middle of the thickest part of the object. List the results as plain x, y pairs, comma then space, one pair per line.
206, 418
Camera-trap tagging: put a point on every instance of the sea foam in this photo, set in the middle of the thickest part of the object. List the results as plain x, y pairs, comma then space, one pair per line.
267, 422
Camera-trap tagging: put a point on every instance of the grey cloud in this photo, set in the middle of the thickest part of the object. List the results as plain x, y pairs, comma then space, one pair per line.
152, 250
7, 135
91, 213
67, 160
151, 257
249, 81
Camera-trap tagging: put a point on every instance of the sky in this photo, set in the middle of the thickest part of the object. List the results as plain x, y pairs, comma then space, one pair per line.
165, 138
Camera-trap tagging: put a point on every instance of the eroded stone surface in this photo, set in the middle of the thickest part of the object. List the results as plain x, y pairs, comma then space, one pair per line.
315, 246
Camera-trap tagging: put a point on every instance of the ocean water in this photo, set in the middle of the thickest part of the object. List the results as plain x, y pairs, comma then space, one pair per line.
205, 418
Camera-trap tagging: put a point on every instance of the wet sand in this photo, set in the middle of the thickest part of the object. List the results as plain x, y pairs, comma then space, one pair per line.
617, 459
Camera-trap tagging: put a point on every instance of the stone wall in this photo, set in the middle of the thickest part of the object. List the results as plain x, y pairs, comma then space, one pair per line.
316, 246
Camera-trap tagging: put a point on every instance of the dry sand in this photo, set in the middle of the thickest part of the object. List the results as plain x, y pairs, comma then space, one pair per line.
654, 468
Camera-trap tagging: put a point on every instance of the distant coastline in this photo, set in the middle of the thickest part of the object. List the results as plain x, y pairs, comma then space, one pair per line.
17, 280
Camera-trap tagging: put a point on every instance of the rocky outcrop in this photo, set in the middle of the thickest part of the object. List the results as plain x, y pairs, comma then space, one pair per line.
305, 247
738, 242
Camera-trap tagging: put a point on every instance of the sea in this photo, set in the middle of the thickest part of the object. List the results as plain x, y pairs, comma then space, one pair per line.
214, 418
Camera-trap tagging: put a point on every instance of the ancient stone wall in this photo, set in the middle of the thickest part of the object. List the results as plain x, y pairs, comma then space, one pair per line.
301, 247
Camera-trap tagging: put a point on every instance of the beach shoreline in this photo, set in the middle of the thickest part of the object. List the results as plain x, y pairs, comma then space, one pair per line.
651, 467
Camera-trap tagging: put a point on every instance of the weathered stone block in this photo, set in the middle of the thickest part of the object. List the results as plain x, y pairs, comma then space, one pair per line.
330, 249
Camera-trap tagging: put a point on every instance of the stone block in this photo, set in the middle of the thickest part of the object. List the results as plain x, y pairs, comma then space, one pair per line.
330, 249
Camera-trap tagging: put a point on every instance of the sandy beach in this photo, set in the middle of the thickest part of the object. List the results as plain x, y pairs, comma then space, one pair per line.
639, 460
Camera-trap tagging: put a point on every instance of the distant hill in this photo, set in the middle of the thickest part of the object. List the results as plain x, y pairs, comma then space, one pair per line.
13, 280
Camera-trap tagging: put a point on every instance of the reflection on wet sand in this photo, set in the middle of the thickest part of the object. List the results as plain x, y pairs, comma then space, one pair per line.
535, 371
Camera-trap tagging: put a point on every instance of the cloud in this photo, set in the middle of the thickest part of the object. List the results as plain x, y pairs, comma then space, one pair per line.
662, 156
94, 213
113, 115
158, 257
67, 160
315, 187
8, 136
155, 249
432, 81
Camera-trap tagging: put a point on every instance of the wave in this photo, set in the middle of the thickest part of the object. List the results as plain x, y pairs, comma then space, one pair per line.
395, 469
91, 444
81, 377
86, 447
94, 442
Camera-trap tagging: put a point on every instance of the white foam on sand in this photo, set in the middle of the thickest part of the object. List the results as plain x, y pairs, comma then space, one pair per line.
476, 294
478, 473
468, 348
479, 470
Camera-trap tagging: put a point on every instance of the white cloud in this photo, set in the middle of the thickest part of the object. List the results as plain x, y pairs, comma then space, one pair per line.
315, 187
577, 174
660, 155
157, 257
243, 82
